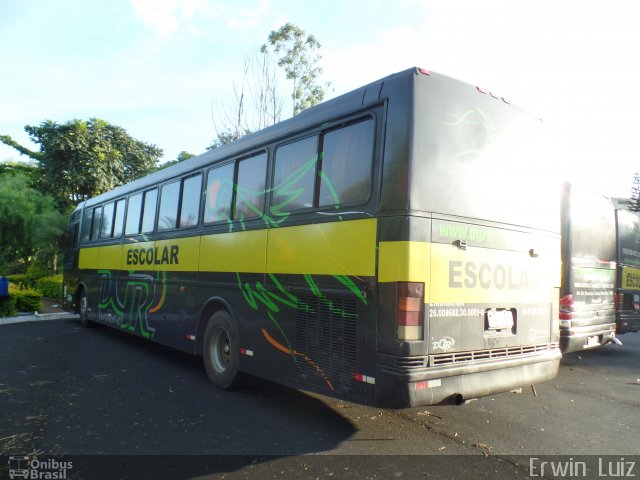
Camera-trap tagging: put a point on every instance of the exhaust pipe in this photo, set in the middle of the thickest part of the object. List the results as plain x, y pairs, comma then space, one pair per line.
459, 400
615, 340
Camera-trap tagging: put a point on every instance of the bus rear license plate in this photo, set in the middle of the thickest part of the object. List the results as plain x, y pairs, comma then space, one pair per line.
499, 319
592, 341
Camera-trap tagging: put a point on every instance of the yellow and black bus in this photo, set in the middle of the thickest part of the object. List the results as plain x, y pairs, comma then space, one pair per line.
390, 246
587, 312
628, 276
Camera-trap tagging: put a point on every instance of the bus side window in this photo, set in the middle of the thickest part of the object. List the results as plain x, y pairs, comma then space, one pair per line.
293, 182
149, 211
95, 224
107, 221
250, 190
218, 194
134, 209
168, 214
190, 204
71, 237
85, 232
119, 218
75, 234
347, 156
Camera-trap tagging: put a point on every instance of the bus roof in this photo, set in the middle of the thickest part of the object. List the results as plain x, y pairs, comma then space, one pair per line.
360, 97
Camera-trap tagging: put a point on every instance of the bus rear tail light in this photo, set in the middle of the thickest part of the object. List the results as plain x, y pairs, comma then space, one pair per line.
410, 314
566, 310
618, 299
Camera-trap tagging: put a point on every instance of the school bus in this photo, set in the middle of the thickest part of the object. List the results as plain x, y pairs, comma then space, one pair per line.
587, 313
628, 274
389, 246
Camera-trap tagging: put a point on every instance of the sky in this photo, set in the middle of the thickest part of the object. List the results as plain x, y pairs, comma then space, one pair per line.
162, 69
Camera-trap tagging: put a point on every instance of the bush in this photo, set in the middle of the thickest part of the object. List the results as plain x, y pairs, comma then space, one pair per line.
50, 286
19, 279
8, 306
35, 272
26, 300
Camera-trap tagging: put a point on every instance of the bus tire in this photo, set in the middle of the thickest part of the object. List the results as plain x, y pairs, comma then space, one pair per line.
221, 351
83, 308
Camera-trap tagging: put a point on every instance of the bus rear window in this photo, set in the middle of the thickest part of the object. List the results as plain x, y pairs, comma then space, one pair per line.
628, 229
592, 226
475, 156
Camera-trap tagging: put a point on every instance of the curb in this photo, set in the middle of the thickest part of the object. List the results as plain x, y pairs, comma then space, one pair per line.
39, 318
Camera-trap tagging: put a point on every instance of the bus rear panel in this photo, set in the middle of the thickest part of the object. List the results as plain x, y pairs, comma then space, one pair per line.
478, 249
628, 274
587, 315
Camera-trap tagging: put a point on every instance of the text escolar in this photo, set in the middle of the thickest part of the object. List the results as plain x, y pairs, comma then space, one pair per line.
167, 255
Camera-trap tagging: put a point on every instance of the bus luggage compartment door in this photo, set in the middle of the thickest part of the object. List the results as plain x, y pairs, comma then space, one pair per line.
490, 289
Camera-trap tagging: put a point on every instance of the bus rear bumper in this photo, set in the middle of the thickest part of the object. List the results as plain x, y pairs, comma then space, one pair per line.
453, 384
582, 338
627, 322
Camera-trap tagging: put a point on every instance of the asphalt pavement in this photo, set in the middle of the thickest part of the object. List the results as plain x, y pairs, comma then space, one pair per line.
118, 406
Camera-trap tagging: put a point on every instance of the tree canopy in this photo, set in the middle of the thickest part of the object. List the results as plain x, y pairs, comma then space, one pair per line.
258, 99
300, 61
634, 200
30, 223
182, 156
222, 138
81, 159
29, 170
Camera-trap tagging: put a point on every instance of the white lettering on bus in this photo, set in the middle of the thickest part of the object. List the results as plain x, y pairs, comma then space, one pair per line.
487, 276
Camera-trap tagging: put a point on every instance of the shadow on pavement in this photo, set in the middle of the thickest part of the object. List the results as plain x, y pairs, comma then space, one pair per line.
104, 395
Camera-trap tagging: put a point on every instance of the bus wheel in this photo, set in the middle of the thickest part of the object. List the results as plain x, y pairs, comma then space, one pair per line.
221, 350
83, 309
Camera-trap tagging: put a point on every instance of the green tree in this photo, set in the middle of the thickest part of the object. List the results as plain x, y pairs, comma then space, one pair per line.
257, 100
29, 170
300, 59
222, 138
182, 156
634, 201
30, 224
81, 159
